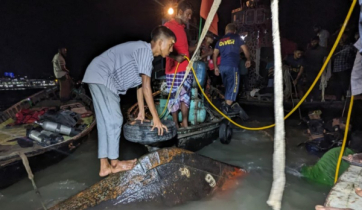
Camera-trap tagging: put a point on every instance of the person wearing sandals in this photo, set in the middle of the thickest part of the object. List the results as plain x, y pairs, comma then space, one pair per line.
324, 170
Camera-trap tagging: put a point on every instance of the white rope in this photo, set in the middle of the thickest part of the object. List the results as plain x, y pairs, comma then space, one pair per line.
277, 189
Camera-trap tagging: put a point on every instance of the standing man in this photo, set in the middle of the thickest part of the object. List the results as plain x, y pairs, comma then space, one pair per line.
342, 66
322, 34
314, 59
118, 69
296, 68
61, 73
230, 46
181, 47
356, 76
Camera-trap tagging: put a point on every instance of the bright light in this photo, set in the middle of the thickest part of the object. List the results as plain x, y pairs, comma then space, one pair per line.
170, 11
243, 37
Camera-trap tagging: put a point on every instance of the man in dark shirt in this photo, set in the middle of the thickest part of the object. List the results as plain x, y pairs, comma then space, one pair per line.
296, 68
314, 59
229, 47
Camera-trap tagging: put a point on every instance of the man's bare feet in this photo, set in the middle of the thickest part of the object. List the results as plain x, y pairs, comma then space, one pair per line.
125, 165
106, 168
358, 191
319, 207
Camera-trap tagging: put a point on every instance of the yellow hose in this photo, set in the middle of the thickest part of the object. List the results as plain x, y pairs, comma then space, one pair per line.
344, 139
169, 94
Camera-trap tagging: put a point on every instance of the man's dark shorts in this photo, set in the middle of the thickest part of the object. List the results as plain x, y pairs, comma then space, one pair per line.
231, 80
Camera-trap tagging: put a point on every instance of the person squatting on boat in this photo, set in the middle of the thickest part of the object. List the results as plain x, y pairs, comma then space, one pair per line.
61, 73
229, 47
295, 62
181, 49
116, 70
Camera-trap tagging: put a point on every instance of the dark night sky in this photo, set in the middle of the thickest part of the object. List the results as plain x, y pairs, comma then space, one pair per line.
31, 31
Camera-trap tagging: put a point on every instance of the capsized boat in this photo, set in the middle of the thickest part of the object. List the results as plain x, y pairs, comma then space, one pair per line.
169, 176
39, 156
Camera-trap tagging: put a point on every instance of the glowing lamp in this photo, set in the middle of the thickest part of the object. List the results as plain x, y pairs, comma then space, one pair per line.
170, 11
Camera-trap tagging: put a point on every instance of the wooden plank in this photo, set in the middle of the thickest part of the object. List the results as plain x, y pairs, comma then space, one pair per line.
343, 193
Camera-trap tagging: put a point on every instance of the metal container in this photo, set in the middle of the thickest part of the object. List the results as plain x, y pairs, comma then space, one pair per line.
38, 137
55, 138
200, 70
57, 128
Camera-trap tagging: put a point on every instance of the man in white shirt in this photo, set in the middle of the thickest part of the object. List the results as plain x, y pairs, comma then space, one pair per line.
61, 73
322, 34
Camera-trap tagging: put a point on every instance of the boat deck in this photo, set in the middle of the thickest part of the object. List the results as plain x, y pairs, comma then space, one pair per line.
9, 134
343, 193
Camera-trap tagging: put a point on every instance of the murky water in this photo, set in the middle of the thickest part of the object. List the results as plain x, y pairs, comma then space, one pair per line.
251, 150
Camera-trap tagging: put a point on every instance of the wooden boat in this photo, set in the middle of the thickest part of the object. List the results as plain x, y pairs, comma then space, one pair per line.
343, 193
195, 136
11, 167
169, 176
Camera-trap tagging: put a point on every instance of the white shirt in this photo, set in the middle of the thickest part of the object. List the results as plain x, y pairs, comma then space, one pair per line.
323, 38
58, 62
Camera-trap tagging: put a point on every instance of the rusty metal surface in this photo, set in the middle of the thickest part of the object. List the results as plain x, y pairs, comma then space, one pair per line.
168, 176
343, 193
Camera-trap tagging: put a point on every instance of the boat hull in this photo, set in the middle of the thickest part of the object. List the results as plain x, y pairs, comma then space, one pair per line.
169, 176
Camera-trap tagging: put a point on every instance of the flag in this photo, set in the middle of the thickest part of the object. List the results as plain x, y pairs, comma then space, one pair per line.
204, 12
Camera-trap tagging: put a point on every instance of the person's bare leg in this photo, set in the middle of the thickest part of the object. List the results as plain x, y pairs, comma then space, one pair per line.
358, 191
319, 207
228, 102
185, 114
106, 168
357, 158
125, 165
175, 119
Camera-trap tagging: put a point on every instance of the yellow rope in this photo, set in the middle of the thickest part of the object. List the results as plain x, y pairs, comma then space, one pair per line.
344, 139
169, 94
303, 98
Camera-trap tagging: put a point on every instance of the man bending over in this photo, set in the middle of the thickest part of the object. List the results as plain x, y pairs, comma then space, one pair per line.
118, 69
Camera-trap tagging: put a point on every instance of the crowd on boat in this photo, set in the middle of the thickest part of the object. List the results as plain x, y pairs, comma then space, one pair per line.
129, 65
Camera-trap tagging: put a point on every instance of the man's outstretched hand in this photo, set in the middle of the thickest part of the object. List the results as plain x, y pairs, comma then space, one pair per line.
157, 124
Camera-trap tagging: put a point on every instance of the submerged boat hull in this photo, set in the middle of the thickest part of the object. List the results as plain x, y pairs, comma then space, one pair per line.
168, 176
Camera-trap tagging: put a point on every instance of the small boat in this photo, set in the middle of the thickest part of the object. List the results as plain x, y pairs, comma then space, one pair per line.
205, 124
39, 156
169, 176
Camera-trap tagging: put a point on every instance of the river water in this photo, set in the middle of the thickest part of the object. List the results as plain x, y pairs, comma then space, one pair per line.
251, 150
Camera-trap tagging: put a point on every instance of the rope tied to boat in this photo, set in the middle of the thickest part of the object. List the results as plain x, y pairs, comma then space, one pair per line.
277, 190
30, 175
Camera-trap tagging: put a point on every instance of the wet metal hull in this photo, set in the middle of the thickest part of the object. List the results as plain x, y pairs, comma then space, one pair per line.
168, 176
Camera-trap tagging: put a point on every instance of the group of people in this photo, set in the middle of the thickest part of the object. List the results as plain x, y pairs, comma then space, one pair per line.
129, 65
304, 66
